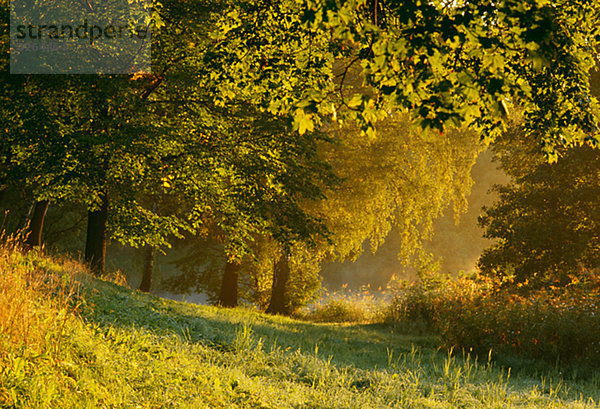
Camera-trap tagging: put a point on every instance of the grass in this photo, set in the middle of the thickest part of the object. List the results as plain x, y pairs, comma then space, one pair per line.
119, 348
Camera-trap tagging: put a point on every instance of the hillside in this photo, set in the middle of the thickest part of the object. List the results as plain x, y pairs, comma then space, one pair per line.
107, 346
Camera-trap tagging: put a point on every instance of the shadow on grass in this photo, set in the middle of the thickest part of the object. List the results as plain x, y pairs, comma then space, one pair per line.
362, 346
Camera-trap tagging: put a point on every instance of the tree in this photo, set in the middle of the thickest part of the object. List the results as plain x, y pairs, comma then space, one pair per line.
23, 159
225, 124
148, 269
101, 129
279, 303
132, 139
264, 173
34, 235
402, 179
546, 221
228, 295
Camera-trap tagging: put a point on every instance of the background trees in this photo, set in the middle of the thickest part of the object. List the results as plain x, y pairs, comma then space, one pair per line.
402, 179
151, 156
254, 108
546, 221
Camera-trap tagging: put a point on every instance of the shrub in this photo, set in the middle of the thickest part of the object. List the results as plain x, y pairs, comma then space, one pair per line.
554, 324
360, 307
475, 313
415, 302
338, 310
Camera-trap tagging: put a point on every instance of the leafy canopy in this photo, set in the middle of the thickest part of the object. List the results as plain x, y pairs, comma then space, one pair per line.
446, 62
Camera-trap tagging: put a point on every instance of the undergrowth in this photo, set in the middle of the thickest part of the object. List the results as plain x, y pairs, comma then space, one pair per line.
362, 306
477, 314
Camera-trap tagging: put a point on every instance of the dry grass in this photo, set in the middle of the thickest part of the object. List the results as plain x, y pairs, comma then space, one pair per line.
35, 299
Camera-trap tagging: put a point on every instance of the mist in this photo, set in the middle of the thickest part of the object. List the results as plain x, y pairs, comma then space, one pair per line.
456, 246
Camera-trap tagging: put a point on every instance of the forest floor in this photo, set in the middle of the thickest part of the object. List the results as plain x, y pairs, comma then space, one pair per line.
119, 348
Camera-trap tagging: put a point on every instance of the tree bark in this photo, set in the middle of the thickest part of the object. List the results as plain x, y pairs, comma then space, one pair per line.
146, 283
228, 297
95, 245
36, 224
281, 275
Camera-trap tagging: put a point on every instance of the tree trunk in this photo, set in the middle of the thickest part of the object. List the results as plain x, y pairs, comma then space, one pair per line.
36, 224
149, 256
95, 245
146, 283
228, 297
281, 276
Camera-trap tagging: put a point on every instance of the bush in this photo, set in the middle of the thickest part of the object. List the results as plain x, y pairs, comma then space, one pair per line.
551, 324
338, 310
473, 313
360, 307
416, 302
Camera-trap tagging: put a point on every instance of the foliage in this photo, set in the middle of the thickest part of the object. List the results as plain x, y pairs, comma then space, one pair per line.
560, 325
167, 158
448, 63
125, 348
418, 301
226, 134
305, 281
546, 221
203, 263
201, 266
337, 310
403, 179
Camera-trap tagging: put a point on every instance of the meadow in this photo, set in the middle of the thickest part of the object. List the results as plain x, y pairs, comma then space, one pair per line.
72, 341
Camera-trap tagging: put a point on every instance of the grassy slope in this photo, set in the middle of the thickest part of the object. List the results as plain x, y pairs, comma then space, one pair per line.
127, 349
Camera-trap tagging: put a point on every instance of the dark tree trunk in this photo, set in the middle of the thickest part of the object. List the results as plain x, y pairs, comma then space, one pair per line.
146, 283
95, 245
228, 297
281, 275
149, 256
36, 224
2, 194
